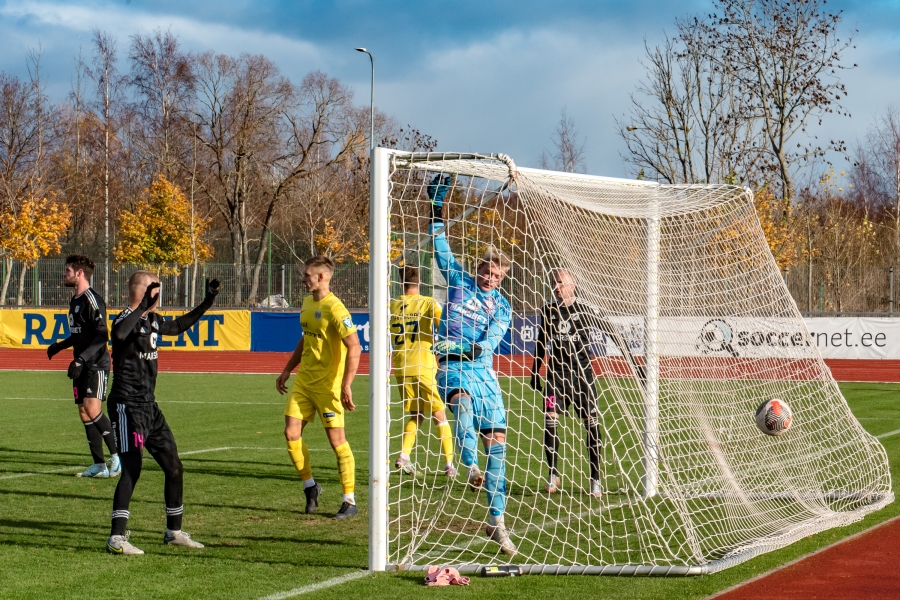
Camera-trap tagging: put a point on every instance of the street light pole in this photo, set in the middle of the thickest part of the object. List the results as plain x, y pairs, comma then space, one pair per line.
371, 100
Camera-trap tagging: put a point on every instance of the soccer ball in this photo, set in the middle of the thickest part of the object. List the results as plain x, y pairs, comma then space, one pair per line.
773, 417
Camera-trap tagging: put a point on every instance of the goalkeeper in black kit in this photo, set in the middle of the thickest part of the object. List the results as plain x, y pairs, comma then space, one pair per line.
136, 417
565, 338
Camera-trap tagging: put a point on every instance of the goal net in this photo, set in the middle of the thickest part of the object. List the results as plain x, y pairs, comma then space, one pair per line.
694, 329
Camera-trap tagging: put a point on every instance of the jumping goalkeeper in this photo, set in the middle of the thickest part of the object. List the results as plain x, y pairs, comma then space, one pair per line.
475, 321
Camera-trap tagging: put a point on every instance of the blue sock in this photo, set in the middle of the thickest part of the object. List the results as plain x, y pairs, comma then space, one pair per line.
464, 432
495, 478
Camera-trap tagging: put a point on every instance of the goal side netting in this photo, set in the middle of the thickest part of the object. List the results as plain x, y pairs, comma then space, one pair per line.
683, 279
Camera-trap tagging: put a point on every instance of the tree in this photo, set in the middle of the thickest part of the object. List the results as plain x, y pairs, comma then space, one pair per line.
31, 232
689, 121
569, 155
160, 231
785, 55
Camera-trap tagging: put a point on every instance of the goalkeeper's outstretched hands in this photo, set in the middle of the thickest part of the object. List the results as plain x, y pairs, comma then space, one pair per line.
446, 349
437, 190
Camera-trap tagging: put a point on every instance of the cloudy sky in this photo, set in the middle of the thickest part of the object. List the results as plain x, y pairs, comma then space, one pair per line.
485, 76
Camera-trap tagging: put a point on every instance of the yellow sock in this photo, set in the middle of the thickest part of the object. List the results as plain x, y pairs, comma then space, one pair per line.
346, 466
409, 436
300, 457
446, 440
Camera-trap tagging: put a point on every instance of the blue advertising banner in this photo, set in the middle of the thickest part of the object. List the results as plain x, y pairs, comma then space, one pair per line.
280, 332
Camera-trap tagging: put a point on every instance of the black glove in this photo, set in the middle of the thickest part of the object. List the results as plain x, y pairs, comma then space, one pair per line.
147, 301
54, 349
536, 383
212, 289
75, 368
641, 372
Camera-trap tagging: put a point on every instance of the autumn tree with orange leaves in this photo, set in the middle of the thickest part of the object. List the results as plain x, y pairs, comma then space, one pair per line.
159, 230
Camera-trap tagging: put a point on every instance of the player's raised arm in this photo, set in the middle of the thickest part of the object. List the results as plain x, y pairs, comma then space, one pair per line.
451, 270
124, 324
186, 321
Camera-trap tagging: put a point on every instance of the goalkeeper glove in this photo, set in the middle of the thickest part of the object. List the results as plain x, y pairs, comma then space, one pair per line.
462, 350
75, 368
536, 383
436, 192
54, 349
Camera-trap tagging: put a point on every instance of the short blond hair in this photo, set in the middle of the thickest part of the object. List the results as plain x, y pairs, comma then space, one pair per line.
322, 262
497, 257
140, 280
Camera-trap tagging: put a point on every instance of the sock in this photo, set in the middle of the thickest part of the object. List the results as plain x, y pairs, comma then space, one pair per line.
104, 427
95, 442
119, 522
551, 443
346, 466
173, 518
446, 436
300, 457
409, 436
131, 473
349, 498
464, 431
594, 445
495, 478
308, 483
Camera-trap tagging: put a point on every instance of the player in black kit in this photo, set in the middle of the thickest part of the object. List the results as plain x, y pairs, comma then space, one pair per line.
136, 416
565, 337
89, 369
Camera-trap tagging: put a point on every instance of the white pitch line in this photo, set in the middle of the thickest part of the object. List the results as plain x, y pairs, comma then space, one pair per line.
888, 434
317, 586
63, 470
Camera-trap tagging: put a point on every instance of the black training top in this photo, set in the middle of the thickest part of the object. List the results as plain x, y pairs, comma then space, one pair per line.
88, 331
134, 350
565, 335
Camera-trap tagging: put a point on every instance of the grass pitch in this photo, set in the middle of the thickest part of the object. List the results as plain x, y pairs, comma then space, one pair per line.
243, 500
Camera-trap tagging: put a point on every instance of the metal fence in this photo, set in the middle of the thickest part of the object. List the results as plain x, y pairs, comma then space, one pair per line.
823, 290
240, 288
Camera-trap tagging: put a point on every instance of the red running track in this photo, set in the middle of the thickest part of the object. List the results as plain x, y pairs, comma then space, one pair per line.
14, 359
864, 566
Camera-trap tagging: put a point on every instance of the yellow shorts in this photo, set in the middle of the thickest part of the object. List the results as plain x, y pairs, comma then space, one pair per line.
419, 395
305, 405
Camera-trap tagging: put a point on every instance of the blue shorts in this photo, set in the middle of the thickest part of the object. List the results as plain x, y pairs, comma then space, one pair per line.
480, 384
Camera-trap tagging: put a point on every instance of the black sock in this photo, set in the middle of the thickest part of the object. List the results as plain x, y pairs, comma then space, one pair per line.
174, 487
95, 441
551, 443
106, 431
131, 471
594, 445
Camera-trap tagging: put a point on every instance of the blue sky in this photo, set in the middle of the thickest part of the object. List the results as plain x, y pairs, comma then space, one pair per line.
477, 75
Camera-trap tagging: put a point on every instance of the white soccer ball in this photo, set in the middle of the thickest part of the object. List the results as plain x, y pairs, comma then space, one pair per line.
774, 417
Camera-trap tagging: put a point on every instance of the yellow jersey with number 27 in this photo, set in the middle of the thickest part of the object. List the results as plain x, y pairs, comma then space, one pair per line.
413, 321
325, 323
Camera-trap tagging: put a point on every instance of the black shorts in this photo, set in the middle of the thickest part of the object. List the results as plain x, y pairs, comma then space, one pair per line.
140, 425
571, 389
90, 384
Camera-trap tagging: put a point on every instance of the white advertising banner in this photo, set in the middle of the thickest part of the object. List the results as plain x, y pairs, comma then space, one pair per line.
754, 337
856, 337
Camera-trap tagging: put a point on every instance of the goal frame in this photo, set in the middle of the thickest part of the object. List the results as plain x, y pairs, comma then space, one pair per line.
380, 393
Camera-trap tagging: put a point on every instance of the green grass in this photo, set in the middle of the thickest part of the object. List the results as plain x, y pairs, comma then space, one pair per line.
243, 500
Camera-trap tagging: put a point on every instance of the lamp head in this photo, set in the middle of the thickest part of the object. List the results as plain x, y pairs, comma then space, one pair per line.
361, 50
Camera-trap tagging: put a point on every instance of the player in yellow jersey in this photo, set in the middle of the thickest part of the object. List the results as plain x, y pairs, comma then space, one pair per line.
327, 357
413, 320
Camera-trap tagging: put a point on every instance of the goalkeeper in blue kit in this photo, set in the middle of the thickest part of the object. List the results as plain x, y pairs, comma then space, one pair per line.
474, 322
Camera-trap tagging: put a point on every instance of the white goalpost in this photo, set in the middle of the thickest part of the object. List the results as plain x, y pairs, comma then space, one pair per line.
698, 330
